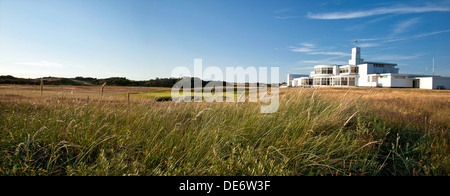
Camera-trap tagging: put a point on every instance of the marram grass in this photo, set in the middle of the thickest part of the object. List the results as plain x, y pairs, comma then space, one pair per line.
311, 134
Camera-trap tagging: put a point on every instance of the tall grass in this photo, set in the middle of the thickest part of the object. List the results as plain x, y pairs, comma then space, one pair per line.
311, 134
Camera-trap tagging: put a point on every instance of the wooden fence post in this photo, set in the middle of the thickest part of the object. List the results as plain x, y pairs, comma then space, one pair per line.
42, 86
101, 91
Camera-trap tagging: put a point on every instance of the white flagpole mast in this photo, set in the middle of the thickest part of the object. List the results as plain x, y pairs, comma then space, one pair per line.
433, 66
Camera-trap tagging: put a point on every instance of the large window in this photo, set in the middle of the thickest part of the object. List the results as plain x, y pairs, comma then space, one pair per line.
343, 70
316, 81
317, 70
354, 70
307, 81
325, 81
324, 70
337, 81
344, 81
351, 82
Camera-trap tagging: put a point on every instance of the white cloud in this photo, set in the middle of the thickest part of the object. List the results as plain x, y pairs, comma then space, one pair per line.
325, 61
331, 53
430, 34
310, 48
378, 11
369, 39
41, 64
308, 45
303, 68
396, 39
396, 57
301, 49
404, 25
368, 45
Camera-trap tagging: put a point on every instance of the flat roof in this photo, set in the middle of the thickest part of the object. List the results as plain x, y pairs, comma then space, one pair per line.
372, 62
445, 78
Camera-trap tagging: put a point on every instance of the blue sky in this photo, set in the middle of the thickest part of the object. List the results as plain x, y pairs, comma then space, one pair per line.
146, 39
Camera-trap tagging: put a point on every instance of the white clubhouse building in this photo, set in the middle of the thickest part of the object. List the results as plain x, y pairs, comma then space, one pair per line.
365, 74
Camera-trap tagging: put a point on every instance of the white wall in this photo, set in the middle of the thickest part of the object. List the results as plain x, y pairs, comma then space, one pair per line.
295, 82
362, 79
362, 69
290, 77
385, 82
426, 83
401, 82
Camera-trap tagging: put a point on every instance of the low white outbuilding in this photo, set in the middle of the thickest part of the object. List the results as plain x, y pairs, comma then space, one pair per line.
432, 82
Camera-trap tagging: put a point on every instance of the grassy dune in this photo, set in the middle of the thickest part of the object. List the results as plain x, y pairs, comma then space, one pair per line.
326, 131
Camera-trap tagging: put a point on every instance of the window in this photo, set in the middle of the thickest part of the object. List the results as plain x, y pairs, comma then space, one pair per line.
326, 70
325, 81
344, 81
337, 81
316, 81
317, 70
343, 70
354, 70
330, 70
368, 78
351, 82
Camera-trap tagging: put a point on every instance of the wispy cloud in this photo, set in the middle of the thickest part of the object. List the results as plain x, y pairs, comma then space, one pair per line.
368, 45
380, 19
305, 47
396, 39
370, 39
377, 11
325, 61
285, 14
41, 64
396, 57
403, 26
300, 49
331, 53
310, 48
303, 68
372, 42
306, 44
328, 61
430, 34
